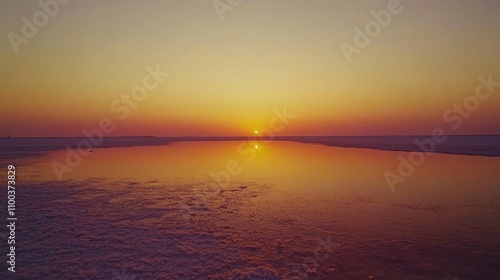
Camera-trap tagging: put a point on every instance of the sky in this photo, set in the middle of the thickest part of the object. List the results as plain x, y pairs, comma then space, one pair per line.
229, 69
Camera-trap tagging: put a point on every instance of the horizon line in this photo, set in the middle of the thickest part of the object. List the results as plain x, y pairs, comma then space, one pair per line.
248, 136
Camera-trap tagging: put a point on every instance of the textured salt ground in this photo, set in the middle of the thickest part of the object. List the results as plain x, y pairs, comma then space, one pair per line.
86, 232
105, 229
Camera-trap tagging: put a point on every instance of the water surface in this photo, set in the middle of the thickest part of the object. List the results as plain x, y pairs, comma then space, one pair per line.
156, 212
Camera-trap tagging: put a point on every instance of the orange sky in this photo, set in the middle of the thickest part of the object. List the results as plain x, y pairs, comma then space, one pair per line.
226, 77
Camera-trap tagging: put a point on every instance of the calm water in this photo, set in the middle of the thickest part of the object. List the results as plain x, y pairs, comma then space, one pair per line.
156, 212
287, 164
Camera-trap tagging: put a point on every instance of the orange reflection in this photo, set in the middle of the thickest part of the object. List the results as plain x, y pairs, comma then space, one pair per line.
288, 164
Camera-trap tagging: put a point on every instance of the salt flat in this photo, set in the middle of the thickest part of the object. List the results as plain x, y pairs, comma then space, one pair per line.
303, 210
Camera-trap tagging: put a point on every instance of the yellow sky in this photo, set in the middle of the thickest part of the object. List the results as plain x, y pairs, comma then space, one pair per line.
226, 76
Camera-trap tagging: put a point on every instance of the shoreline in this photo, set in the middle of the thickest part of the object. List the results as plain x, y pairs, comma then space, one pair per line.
469, 145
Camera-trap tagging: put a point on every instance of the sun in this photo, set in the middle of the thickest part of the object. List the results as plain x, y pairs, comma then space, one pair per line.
256, 132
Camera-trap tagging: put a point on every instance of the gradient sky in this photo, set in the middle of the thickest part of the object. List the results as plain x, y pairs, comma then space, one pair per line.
227, 76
